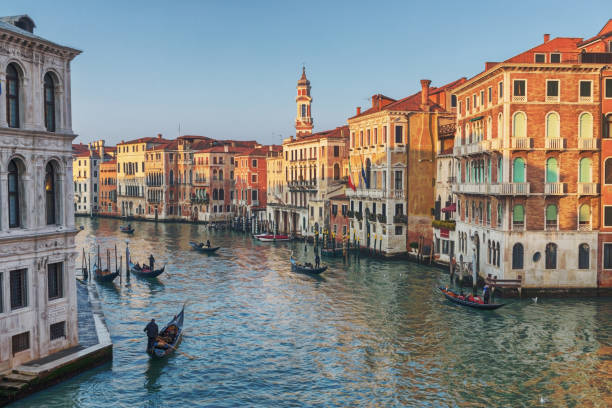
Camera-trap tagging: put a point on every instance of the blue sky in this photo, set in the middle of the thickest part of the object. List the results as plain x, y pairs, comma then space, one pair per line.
228, 69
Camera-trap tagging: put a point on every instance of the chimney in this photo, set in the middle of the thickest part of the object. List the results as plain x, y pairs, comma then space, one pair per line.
489, 65
159, 135
546, 38
359, 110
380, 103
374, 98
425, 91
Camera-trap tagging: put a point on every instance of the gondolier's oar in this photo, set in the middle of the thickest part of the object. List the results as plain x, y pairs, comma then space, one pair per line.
177, 350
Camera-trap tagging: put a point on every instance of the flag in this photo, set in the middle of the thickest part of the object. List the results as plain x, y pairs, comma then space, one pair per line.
350, 182
363, 174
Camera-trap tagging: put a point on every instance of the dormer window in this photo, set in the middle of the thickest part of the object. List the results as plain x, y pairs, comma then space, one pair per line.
555, 58
540, 58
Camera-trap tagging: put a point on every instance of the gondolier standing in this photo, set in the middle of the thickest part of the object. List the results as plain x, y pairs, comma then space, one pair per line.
152, 332
152, 262
317, 261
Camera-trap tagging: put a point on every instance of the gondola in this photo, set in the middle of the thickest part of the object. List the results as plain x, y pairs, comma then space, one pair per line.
272, 237
454, 297
104, 275
302, 268
331, 252
169, 337
202, 248
145, 272
127, 230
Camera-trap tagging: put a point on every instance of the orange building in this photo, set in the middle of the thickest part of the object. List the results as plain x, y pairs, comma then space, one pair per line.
108, 189
338, 218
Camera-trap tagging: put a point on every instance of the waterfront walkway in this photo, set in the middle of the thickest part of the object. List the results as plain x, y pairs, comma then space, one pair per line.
94, 348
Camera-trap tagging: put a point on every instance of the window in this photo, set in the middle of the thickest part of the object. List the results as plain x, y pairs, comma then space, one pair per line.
551, 217
12, 96
368, 138
499, 214
399, 209
336, 171
518, 216
520, 88
57, 330
384, 134
518, 170
501, 90
551, 256
540, 58
584, 173
399, 230
454, 101
14, 192
254, 195
608, 216
467, 104
552, 90
399, 185
499, 169
552, 170
254, 163
552, 125
49, 103
337, 150
482, 98
583, 256
584, 217
608, 171
607, 131
555, 58
608, 85
586, 126
607, 256
21, 342
55, 280
519, 125
19, 298
585, 89
517, 256
399, 134
303, 106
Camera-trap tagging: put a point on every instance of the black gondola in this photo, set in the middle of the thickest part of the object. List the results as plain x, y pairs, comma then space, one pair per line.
127, 230
302, 268
104, 275
145, 271
169, 337
202, 248
454, 297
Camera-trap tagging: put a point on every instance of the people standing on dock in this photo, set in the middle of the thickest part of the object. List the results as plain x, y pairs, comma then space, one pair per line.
152, 262
152, 332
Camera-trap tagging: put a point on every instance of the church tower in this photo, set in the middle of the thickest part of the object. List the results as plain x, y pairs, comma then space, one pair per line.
303, 120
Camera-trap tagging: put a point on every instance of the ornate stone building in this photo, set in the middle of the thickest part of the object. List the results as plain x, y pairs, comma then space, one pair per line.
38, 314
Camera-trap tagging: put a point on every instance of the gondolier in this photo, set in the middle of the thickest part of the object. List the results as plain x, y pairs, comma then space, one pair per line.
152, 332
151, 262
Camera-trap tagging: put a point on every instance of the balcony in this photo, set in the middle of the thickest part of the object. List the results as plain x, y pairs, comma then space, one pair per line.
585, 99
587, 189
255, 203
475, 148
459, 150
365, 193
552, 98
557, 143
494, 144
509, 189
519, 98
585, 227
588, 143
359, 216
470, 188
400, 219
382, 218
522, 143
554, 188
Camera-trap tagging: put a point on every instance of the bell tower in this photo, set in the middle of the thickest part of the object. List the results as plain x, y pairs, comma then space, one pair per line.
303, 120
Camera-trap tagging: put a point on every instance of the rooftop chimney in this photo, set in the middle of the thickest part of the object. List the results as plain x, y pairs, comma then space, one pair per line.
359, 110
374, 98
546, 38
425, 91
159, 135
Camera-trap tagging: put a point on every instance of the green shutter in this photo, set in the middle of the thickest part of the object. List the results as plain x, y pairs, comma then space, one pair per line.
518, 170
518, 213
551, 213
552, 170
584, 214
585, 170
519, 127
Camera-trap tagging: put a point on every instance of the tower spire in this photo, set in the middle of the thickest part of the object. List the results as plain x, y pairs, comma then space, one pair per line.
303, 120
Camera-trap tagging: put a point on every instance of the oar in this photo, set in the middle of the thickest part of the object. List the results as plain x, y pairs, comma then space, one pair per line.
171, 346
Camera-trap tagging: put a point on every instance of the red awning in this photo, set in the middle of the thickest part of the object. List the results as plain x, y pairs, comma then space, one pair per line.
450, 208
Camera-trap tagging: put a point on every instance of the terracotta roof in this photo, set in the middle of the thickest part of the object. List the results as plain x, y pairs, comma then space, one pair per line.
341, 197
341, 132
606, 31
144, 140
303, 80
563, 45
109, 162
221, 149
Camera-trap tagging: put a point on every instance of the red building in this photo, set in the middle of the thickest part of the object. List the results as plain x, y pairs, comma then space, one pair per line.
338, 218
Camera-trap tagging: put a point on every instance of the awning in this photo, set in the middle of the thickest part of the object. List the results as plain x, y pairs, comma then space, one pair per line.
476, 118
450, 208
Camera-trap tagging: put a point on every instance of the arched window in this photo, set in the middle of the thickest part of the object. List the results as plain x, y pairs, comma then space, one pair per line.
608, 126
49, 103
215, 194
583, 256
220, 174
519, 125
14, 202
336, 171
171, 177
551, 256
50, 194
552, 170
584, 175
584, 217
489, 128
12, 96
489, 252
500, 125
517, 256
586, 126
518, 216
221, 194
518, 170
552, 125
499, 170
551, 217
608, 171
498, 254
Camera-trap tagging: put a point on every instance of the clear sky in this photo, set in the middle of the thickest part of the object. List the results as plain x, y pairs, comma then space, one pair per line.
228, 69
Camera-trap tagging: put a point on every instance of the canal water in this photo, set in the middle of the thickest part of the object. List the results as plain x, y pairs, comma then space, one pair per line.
366, 333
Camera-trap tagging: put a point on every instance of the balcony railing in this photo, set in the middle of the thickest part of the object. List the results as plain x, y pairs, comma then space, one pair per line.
588, 143
557, 143
585, 227
366, 193
519, 98
554, 188
587, 188
382, 218
585, 99
550, 98
470, 188
551, 225
400, 219
509, 189
522, 143
494, 144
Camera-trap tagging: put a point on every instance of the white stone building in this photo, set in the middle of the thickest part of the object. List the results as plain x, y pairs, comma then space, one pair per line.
38, 312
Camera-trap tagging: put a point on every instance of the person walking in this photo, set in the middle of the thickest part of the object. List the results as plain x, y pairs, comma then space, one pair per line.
152, 332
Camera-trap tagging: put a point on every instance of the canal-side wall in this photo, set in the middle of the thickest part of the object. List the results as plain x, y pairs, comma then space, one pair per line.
95, 348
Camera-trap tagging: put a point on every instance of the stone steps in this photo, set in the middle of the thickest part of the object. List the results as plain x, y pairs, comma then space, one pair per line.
15, 381
14, 376
13, 385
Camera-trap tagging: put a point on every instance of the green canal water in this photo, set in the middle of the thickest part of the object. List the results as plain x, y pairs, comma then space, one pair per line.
367, 333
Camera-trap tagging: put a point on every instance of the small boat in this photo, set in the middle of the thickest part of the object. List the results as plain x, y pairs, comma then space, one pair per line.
104, 275
304, 268
272, 237
477, 304
127, 230
331, 251
169, 337
145, 271
202, 248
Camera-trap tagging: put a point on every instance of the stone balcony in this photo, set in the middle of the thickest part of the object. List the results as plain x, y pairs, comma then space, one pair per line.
554, 188
588, 143
470, 188
509, 189
556, 143
588, 189
522, 143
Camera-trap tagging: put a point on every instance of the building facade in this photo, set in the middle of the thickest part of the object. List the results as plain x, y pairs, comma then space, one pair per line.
38, 311
108, 189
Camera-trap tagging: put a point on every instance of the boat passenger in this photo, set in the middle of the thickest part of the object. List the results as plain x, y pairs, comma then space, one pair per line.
152, 332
